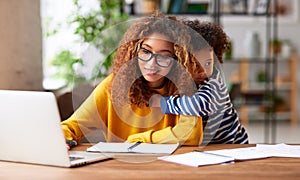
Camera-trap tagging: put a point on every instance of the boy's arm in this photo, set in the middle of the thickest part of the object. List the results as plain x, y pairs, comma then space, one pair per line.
188, 131
211, 97
196, 105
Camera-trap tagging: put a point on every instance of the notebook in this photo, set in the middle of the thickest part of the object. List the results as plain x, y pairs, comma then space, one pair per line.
30, 131
138, 147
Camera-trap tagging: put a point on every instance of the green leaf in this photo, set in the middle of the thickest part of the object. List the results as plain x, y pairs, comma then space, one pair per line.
90, 28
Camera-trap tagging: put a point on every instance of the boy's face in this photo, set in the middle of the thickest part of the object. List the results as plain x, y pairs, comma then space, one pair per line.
205, 57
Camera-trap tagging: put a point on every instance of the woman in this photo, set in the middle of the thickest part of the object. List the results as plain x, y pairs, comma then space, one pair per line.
147, 62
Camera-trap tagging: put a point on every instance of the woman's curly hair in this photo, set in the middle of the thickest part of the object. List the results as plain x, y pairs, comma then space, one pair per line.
212, 33
129, 86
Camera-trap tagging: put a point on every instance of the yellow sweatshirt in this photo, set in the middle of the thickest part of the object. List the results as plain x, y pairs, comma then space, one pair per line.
130, 123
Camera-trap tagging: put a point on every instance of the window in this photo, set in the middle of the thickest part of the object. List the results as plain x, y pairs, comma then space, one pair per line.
58, 36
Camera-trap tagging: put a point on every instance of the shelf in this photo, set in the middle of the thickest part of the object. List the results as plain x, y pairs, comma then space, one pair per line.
283, 86
280, 116
287, 86
246, 14
250, 60
261, 86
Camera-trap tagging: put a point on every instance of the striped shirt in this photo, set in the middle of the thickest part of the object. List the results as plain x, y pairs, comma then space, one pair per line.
212, 102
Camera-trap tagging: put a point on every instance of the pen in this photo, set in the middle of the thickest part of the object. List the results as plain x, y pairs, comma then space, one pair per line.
133, 146
209, 153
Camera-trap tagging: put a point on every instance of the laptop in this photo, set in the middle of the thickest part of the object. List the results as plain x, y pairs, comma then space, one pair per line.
30, 131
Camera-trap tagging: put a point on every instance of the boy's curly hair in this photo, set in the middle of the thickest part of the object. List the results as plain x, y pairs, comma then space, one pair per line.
212, 33
129, 86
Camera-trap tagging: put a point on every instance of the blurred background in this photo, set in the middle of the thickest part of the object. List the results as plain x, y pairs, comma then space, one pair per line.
66, 46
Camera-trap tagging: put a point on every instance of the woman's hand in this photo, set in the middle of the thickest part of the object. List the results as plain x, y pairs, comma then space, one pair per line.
155, 100
70, 144
144, 137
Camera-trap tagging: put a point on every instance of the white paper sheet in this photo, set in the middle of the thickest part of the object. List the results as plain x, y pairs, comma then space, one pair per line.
261, 151
196, 159
280, 150
243, 153
143, 148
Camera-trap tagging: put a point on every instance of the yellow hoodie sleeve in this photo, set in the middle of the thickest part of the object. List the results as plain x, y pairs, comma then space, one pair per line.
188, 131
83, 121
86, 119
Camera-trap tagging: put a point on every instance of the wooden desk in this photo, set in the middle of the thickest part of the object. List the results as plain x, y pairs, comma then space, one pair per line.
269, 168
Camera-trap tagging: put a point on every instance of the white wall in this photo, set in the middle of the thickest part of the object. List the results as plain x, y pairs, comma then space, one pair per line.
20, 45
288, 28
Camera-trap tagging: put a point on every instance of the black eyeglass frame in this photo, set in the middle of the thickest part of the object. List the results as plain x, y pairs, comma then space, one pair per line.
171, 59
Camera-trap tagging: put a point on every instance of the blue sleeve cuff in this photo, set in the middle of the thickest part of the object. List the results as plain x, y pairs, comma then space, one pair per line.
164, 106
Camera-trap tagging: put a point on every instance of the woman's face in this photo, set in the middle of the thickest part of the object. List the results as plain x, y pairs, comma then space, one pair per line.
205, 57
155, 58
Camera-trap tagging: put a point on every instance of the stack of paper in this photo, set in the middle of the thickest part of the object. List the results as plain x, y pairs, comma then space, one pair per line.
261, 151
238, 154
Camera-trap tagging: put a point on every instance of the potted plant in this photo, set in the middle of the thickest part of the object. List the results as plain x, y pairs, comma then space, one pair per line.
277, 101
275, 46
150, 5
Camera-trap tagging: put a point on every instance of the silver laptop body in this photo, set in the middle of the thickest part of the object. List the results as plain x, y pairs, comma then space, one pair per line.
30, 131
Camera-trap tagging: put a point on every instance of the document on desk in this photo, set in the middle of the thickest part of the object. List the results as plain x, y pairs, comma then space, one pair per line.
261, 151
281, 150
197, 159
241, 154
143, 148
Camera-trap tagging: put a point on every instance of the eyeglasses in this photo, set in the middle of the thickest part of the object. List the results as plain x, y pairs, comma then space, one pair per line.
161, 60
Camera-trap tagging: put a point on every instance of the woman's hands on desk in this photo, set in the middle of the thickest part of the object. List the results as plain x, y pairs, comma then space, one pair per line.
144, 137
70, 144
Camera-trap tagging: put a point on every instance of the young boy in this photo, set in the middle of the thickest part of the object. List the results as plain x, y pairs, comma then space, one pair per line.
211, 101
